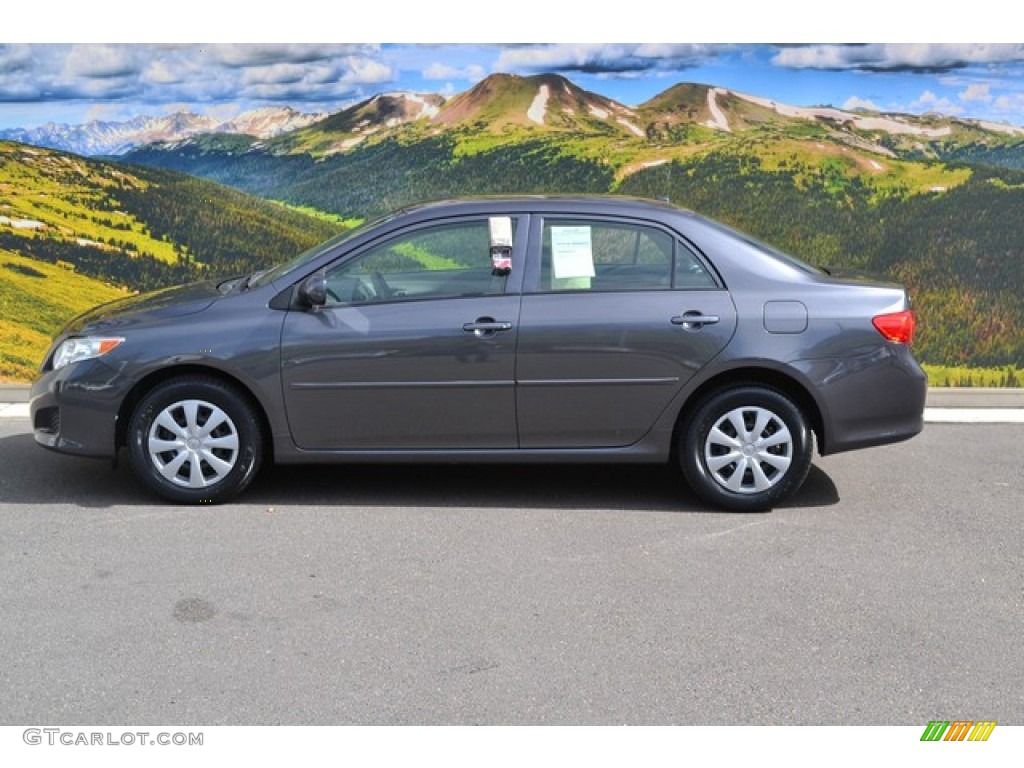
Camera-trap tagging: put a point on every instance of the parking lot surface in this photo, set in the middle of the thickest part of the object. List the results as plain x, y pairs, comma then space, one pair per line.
890, 591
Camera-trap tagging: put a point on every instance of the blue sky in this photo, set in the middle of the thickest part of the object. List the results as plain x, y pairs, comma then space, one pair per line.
79, 82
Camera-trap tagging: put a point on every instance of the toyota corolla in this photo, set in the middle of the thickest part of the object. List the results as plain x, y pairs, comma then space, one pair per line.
496, 330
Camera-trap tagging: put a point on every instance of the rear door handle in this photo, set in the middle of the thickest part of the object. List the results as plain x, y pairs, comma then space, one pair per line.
693, 319
486, 326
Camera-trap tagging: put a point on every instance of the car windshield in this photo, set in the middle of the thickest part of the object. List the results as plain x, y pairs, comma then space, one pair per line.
273, 274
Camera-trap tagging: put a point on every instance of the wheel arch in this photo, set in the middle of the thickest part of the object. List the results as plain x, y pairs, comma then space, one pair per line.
753, 375
155, 378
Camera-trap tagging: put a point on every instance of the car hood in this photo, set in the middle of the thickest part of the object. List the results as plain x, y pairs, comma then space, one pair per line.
135, 310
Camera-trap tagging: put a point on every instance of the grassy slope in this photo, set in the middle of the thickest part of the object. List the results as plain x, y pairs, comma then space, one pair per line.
72, 198
78, 232
36, 300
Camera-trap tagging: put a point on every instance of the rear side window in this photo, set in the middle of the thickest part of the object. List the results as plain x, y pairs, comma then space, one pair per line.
594, 255
690, 272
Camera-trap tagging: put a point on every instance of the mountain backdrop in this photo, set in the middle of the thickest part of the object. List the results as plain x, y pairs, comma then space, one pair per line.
115, 138
933, 201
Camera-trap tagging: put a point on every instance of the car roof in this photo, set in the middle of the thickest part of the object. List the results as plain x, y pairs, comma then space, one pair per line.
600, 204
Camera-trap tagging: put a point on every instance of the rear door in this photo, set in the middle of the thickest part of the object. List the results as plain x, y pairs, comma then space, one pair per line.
617, 315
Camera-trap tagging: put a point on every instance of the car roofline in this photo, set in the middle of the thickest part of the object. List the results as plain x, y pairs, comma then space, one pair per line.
540, 204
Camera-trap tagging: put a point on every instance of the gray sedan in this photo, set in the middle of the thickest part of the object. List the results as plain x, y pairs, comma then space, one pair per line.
495, 330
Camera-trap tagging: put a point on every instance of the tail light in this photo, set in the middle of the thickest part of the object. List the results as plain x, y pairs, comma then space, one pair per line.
897, 326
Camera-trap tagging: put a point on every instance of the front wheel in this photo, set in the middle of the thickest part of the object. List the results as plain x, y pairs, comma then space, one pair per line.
195, 440
746, 449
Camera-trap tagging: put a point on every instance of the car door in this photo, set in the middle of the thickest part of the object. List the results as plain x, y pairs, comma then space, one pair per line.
617, 315
415, 348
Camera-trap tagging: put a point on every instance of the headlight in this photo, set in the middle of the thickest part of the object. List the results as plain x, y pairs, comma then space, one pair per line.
74, 350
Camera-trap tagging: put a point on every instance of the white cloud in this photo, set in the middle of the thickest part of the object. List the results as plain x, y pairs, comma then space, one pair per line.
250, 55
898, 56
15, 57
606, 58
365, 71
439, 71
929, 102
102, 61
189, 73
1010, 104
282, 72
856, 102
161, 72
976, 92
102, 112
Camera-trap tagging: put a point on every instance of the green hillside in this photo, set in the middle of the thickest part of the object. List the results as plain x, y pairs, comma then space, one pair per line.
75, 232
36, 299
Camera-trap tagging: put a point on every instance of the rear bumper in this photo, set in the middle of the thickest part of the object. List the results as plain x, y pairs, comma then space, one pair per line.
873, 399
74, 410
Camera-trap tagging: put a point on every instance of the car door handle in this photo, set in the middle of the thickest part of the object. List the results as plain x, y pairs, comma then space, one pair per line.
486, 326
693, 319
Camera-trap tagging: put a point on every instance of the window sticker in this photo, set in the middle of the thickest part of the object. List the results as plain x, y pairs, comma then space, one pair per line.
501, 231
572, 252
501, 244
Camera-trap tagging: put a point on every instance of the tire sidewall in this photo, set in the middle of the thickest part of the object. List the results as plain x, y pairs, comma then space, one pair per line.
216, 393
709, 412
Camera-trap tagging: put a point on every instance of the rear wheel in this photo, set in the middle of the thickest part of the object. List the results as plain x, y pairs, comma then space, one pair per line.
746, 449
195, 440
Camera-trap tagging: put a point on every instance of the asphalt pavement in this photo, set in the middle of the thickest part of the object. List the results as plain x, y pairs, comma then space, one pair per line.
889, 591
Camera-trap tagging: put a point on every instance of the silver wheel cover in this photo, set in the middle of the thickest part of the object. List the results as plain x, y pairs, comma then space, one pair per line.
748, 450
193, 444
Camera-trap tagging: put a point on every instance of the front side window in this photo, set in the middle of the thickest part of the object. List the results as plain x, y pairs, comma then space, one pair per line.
442, 261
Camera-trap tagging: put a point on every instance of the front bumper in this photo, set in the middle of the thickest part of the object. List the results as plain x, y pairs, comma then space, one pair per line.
74, 410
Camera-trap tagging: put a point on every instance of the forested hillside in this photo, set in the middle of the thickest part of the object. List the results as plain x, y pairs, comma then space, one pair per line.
76, 232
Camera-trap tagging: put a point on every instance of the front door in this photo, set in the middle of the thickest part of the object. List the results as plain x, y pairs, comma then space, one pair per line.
415, 348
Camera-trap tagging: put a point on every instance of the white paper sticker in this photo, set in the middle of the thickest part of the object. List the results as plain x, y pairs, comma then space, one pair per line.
501, 231
572, 254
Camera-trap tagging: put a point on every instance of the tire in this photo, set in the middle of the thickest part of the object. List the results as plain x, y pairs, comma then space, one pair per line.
745, 449
175, 451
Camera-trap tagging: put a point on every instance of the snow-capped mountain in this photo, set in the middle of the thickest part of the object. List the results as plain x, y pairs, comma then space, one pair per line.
117, 138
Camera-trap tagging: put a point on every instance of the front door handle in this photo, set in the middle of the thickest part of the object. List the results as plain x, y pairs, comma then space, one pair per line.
486, 326
694, 320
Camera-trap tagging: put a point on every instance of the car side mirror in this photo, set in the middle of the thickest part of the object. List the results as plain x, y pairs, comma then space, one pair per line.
313, 291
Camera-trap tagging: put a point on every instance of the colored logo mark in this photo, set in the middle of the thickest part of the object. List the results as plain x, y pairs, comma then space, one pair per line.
958, 730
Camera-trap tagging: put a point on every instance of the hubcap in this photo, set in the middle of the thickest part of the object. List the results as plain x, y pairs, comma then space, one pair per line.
193, 443
748, 450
